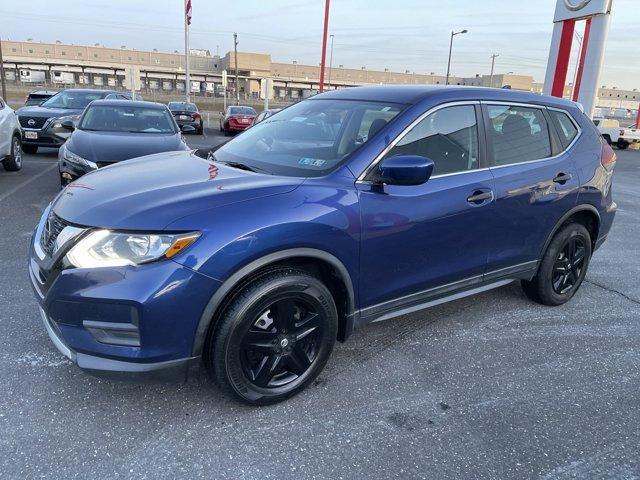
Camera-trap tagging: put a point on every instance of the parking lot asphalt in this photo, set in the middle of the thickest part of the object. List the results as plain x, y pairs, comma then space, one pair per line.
491, 386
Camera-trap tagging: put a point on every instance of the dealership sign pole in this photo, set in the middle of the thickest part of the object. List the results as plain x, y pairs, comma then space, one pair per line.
187, 22
597, 14
323, 57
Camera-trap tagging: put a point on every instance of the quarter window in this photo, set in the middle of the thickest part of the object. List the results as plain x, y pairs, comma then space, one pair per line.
565, 127
448, 136
518, 134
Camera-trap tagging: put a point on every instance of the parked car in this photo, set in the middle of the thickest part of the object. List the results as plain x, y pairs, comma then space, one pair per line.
42, 124
38, 96
10, 138
187, 114
356, 206
264, 115
614, 134
111, 131
236, 119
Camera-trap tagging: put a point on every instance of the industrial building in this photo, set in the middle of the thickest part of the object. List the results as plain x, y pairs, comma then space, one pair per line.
35, 63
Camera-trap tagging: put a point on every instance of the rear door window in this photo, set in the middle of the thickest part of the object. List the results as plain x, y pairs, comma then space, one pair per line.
518, 134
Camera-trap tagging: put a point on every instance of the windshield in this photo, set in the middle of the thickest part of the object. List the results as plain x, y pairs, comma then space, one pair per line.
182, 106
125, 118
241, 111
308, 139
72, 99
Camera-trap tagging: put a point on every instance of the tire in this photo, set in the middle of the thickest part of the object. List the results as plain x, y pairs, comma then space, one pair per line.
562, 268
13, 162
30, 149
200, 130
607, 138
258, 353
622, 145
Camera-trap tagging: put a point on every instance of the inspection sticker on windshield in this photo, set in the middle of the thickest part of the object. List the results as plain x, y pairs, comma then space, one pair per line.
314, 162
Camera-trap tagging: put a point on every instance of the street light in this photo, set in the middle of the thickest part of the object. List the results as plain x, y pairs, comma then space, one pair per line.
330, 62
453, 34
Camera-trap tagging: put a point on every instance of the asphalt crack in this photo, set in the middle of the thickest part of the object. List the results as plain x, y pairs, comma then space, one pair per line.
613, 290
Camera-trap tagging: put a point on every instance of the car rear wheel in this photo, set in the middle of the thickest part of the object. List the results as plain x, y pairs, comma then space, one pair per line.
607, 138
622, 145
30, 149
562, 268
13, 162
274, 338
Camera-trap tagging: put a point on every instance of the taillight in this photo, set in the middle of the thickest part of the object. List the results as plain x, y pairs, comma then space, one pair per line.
195, 116
607, 157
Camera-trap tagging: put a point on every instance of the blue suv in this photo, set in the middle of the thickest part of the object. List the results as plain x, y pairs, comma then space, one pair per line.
351, 207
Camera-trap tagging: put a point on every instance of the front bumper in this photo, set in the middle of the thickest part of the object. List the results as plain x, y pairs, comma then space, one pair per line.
46, 137
122, 322
172, 370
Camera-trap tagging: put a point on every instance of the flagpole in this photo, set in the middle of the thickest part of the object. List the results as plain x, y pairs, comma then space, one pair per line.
187, 82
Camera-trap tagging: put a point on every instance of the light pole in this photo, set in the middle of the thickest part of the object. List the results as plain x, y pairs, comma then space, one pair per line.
453, 34
2, 80
330, 63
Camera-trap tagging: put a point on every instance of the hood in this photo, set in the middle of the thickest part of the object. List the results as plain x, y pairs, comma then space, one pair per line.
111, 147
148, 193
38, 111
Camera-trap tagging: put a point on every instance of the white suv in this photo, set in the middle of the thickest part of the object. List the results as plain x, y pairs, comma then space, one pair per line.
10, 138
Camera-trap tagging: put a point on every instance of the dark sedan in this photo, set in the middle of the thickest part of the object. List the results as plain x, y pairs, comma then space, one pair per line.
111, 131
236, 119
38, 96
187, 114
42, 124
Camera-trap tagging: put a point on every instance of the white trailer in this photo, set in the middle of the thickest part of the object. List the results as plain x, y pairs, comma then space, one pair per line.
65, 78
32, 76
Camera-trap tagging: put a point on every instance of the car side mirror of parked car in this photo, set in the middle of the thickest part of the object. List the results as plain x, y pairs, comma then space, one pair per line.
187, 129
404, 170
67, 125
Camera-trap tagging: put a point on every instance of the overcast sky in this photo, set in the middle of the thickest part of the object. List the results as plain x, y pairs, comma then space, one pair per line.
396, 34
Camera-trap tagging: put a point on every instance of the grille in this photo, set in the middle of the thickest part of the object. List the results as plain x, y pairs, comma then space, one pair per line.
50, 232
38, 121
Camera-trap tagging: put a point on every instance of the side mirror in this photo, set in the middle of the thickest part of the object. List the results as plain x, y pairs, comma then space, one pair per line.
187, 129
404, 170
67, 125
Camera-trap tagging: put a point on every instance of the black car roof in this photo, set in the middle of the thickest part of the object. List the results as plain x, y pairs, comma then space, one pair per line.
112, 102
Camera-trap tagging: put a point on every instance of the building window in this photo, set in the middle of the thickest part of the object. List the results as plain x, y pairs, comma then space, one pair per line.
14, 50
63, 52
79, 54
95, 55
130, 59
46, 52
31, 50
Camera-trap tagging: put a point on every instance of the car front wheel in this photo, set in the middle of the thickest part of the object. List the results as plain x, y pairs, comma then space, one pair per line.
13, 162
562, 268
274, 338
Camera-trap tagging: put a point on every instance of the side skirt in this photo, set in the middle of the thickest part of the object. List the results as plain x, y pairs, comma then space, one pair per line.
446, 293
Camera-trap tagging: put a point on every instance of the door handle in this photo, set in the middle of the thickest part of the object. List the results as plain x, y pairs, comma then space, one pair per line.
562, 178
479, 197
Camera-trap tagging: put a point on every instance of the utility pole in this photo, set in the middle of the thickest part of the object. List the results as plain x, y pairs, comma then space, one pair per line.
330, 62
2, 79
187, 22
493, 62
235, 57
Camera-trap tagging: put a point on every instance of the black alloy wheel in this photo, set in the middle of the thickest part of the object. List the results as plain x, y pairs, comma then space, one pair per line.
282, 342
562, 267
273, 338
569, 264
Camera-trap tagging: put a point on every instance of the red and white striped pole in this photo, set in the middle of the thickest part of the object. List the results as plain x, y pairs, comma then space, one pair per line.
323, 58
638, 118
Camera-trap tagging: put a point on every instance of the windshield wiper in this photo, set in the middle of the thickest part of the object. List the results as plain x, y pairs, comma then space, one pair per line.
238, 165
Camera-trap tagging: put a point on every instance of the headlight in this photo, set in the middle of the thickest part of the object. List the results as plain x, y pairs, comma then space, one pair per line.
57, 123
104, 248
69, 156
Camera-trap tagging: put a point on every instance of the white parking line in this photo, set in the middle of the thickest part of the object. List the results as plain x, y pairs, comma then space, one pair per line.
26, 182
